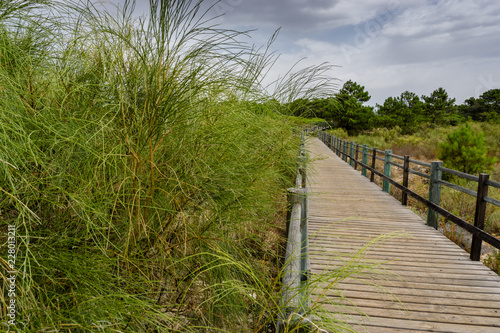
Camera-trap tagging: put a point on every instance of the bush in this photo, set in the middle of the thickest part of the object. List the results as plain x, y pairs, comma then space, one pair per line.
465, 150
339, 133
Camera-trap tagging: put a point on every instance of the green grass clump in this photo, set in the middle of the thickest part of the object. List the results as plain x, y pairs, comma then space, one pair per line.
143, 165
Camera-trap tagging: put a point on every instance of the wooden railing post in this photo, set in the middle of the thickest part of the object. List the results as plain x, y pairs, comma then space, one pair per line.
434, 192
482, 191
364, 159
406, 173
351, 153
344, 150
374, 159
387, 170
356, 158
338, 147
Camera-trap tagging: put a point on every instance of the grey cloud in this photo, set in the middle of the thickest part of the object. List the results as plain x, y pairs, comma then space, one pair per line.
289, 14
418, 45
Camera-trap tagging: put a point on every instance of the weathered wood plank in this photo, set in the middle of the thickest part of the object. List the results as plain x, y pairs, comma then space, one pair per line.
411, 290
423, 307
425, 315
387, 324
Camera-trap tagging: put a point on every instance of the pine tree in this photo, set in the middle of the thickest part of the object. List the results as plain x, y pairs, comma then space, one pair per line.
464, 150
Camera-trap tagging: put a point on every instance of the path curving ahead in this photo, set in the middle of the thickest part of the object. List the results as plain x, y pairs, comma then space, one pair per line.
421, 281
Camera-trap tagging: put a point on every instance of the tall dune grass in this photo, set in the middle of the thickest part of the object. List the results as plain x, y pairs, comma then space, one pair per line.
141, 180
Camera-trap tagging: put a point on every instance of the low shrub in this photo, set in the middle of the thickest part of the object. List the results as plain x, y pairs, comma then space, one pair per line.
464, 150
339, 133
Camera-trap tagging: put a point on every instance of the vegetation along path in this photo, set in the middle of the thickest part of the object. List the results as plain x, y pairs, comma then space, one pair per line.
413, 279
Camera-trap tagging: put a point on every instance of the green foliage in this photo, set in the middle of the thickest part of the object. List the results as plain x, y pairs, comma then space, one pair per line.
349, 112
381, 138
339, 133
345, 109
439, 108
407, 111
300, 121
354, 90
143, 166
465, 150
484, 108
492, 136
324, 108
492, 224
404, 111
493, 261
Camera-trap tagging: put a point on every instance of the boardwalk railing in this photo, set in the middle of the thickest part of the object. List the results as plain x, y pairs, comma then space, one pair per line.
366, 158
294, 296
314, 128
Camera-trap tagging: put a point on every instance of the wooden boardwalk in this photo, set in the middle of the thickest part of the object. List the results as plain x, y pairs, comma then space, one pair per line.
421, 281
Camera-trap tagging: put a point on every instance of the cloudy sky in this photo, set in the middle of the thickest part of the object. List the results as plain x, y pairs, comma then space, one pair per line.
388, 46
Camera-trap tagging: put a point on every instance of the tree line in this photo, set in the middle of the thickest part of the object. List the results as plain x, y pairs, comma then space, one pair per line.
347, 109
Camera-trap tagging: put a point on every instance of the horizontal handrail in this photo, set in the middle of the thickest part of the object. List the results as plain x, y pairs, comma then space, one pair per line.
460, 174
492, 201
294, 296
425, 164
418, 173
397, 156
493, 183
396, 165
458, 188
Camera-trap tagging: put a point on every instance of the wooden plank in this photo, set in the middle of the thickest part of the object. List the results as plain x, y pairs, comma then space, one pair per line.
426, 315
396, 249
353, 295
326, 242
461, 295
421, 277
422, 307
404, 266
467, 291
431, 274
